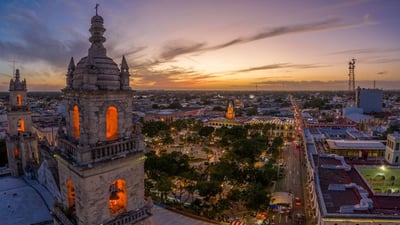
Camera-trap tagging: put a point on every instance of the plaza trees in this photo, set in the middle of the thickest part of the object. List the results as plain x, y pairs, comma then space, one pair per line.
179, 124
238, 177
155, 128
229, 135
255, 196
275, 147
166, 167
206, 131
248, 150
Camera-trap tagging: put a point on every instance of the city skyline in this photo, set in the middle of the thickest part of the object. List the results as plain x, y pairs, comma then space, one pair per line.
203, 45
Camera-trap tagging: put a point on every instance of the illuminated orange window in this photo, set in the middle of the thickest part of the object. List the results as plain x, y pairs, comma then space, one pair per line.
19, 100
71, 195
21, 125
16, 153
118, 200
111, 123
75, 121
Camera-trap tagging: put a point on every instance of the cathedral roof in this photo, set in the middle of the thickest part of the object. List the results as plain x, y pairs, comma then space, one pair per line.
97, 71
16, 84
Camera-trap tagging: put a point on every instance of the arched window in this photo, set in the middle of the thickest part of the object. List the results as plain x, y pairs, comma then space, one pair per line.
118, 197
21, 125
19, 100
75, 122
111, 123
71, 195
16, 153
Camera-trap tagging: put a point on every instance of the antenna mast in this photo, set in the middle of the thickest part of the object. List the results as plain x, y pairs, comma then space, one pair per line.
352, 83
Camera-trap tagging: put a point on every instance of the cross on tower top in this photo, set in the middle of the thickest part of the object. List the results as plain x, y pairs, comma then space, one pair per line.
96, 7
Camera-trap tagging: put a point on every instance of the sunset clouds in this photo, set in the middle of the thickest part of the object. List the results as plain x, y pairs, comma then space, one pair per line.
204, 45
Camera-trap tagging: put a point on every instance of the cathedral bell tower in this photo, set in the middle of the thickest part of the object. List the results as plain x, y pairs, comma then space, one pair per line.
22, 151
101, 155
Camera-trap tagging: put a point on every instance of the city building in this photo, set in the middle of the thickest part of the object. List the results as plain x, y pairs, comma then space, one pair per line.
229, 121
22, 150
370, 100
364, 149
344, 191
392, 153
46, 127
279, 126
101, 155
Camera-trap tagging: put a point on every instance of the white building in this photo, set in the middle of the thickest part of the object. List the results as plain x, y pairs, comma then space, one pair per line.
392, 153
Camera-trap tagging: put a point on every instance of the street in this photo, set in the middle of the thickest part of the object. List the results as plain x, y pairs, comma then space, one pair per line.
292, 182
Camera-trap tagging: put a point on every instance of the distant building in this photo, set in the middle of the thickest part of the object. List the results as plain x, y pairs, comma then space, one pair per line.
22, 148
278, 126
46, 127
370, 100
341, 191
230, 111
392, 153
365, 149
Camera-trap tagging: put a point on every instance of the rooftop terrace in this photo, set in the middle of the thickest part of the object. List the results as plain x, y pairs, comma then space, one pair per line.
345, 191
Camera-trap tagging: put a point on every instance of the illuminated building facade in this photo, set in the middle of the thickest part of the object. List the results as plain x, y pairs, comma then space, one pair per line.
22, 151
230, 111
101, 154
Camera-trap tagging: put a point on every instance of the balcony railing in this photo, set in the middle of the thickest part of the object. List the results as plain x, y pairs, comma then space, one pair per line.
101, 151
130, 217
113, 150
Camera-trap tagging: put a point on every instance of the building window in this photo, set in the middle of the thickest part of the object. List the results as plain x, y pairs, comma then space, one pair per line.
16, 153
396, 160
118, 197
397, 146
75, 122
111, 123
71, 195
19, 100
21, 125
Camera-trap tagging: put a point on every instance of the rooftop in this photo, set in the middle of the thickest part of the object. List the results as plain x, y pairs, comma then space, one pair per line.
355, 144
345, 191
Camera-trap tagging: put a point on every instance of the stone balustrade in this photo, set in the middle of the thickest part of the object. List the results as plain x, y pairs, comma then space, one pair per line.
102, 151
113, 150
131, 217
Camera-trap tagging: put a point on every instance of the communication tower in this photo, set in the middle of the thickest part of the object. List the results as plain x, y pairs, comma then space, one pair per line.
352, 83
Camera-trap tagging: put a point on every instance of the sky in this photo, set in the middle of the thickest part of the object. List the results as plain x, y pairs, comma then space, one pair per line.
208, 44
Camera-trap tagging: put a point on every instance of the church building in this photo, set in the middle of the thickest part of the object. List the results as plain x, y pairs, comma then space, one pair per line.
22, 148
101, 154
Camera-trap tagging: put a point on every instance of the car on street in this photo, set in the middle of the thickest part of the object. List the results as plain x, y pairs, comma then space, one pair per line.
297, 201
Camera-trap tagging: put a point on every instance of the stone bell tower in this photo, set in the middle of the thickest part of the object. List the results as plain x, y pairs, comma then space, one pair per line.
101, 155
22, 150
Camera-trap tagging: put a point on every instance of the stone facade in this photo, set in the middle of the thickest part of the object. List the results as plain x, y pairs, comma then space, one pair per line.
22, 150
92, 186
101, 154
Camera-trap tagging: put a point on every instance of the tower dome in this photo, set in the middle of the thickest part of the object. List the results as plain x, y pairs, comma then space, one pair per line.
97, 71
